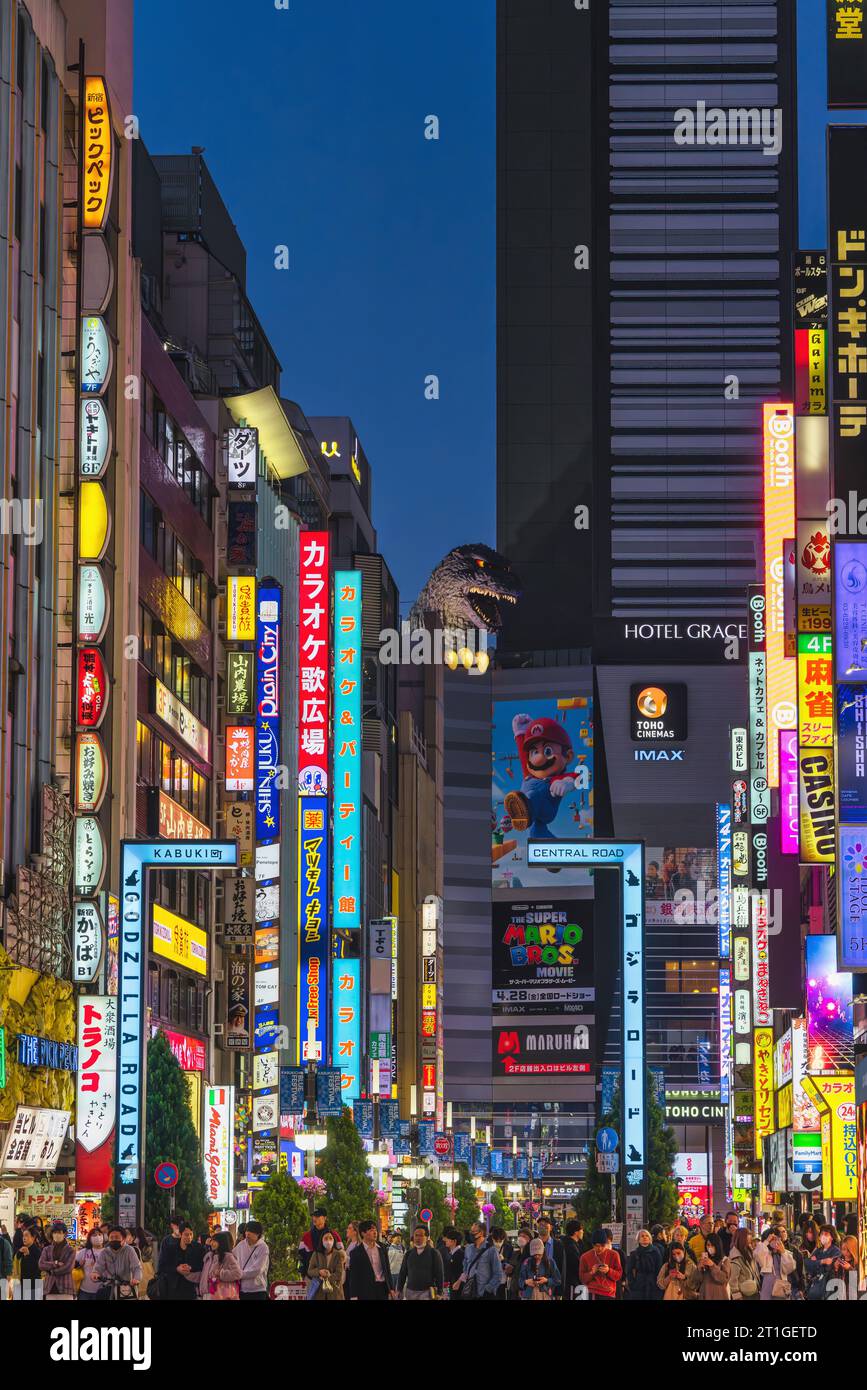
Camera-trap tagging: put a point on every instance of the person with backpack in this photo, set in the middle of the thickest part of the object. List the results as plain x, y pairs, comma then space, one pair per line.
482, 1272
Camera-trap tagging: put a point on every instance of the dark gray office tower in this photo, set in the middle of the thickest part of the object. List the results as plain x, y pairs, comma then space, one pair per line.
643, 309
643, 280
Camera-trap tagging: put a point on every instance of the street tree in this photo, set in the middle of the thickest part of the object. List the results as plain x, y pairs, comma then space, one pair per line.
343, 1167
282, 1210
171, 1137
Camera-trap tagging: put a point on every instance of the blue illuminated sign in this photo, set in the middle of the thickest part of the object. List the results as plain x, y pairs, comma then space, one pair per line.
346, 1024
268, 612
346, 891
137, 856
629, 859
724, 877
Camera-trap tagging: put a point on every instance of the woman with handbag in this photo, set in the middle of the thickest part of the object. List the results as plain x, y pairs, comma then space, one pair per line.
745, 1277
325, 1272
220, 1280
539, 1276
819, 1268
775, 1264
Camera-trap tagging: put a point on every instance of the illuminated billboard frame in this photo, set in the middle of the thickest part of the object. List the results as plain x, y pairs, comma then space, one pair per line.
779, 527
346, 892
346, 1050
628, 859
136, 858
314, 662
313, 944
724, 876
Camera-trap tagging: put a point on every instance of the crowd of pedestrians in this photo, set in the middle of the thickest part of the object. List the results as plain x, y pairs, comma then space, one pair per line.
716, 1259
116, 1263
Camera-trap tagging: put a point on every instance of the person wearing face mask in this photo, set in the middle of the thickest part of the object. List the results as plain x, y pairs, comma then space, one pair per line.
775, 1264
119, 1261
90, 1287
520, 1254
56, 1263
819, 1268
674, 1275
326, 1271
421, 1274
220, 1279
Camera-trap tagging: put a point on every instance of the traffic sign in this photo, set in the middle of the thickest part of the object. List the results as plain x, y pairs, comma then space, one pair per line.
166, 1175
426, 1215
607, 1140
442, 1145
608, 1163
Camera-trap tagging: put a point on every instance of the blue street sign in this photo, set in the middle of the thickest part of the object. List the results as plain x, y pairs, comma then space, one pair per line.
166, 1175
426, 1138
606, 1140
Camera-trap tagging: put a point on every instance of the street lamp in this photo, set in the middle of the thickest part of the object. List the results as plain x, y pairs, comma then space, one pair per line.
448, 1175
312, 1141
515, 1189
413, 1172
378, 1159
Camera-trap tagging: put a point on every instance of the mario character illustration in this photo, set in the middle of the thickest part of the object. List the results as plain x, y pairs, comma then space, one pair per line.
545, 750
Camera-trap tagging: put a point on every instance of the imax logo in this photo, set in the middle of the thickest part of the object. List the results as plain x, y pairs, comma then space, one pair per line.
659, 755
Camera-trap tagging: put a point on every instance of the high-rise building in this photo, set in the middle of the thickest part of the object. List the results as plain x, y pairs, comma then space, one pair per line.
643, 321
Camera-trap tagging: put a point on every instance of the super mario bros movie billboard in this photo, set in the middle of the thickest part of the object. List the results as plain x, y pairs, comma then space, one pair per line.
541, 785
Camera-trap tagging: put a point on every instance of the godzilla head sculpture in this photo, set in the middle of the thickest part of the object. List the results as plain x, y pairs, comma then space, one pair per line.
470, 588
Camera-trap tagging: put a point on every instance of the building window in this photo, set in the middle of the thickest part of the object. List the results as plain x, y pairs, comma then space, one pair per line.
692, 977
144, 753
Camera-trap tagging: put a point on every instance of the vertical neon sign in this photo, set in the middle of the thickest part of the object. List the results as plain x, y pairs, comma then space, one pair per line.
314, 662
346, 904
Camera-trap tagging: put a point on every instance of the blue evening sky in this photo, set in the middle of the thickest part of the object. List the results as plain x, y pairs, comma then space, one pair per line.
312, 120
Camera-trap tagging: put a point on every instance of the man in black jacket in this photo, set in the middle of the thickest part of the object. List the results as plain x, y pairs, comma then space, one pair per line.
453, 1260
574, 1246
369, 1279
422, 1268
180, 1262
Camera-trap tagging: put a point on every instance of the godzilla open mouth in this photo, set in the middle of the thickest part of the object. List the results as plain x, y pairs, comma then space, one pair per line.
486, 603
